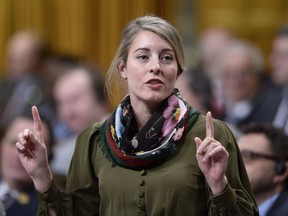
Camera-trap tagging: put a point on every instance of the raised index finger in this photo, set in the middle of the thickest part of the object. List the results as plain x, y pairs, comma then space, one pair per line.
209, 125
37, 122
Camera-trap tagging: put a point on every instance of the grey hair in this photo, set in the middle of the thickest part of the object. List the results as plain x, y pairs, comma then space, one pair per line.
243, 46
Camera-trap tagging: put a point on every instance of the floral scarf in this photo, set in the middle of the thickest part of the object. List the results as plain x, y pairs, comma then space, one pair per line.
160, 136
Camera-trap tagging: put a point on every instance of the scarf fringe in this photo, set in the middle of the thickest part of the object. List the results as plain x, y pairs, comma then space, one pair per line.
104, 145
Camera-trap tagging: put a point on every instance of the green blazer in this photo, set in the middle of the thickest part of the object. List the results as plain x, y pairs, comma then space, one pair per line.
175, 187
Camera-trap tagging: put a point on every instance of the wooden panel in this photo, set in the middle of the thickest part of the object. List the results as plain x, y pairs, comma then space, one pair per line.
254, 20
5, 20
91, 28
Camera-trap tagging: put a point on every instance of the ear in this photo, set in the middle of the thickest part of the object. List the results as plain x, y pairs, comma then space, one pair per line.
283, 176
122, 69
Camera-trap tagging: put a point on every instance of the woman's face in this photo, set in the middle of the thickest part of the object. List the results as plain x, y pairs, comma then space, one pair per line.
150, 70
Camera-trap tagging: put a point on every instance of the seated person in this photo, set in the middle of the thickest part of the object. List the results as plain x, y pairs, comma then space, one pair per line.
17, 191
250, 96
264, 151
76, 108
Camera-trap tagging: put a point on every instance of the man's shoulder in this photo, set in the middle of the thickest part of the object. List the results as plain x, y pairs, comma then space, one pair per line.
280, 206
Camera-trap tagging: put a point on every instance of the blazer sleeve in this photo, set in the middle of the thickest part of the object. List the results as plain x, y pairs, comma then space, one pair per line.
81, 196
237, 199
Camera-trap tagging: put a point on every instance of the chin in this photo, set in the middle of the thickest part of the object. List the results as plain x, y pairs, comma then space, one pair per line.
156, 99
159, 96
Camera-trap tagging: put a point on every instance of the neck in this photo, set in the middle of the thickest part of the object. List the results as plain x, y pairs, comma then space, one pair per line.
142, 115
262, 197
142, 112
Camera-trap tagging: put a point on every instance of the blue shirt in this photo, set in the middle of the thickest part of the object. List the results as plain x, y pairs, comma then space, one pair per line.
265, 206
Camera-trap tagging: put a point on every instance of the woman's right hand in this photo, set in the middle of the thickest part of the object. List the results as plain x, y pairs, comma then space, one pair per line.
33, 154
212, 158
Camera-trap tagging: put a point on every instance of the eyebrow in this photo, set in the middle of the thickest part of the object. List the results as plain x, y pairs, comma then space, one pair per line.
147, 49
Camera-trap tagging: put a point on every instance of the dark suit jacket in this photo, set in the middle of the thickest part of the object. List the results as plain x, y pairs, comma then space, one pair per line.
19, 208
264, 105
280, 206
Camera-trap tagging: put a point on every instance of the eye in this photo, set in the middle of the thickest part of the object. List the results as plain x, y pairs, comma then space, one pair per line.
166, 58
142, 57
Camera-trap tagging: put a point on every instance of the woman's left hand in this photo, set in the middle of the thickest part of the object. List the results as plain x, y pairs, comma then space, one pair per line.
212, 158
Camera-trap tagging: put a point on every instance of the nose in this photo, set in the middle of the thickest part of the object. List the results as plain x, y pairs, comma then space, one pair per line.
155, 66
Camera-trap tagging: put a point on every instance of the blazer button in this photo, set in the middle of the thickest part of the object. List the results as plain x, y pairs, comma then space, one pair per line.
51, 205
45, 196
141, 194
141, 205
141, 182
141, 213
143, 172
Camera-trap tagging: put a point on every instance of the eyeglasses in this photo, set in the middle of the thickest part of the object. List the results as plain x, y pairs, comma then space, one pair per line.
250, 156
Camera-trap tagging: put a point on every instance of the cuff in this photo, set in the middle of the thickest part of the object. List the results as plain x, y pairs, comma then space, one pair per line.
50, 196
225, 200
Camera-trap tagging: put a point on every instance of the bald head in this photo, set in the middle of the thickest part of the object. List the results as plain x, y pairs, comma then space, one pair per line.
24, 51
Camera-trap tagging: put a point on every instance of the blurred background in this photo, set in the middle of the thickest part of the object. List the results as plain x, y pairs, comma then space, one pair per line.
90, 29
55, 53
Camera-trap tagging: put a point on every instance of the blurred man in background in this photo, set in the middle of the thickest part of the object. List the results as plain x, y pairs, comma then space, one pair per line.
279, 65
195, 87
80, 100
22, 84
249, 94
17, 190
211, 43
264, 149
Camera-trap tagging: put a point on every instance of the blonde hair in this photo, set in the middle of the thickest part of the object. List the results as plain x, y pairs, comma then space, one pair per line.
151, 23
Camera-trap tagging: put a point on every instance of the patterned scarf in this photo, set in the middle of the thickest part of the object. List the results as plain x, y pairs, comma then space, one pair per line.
160, 136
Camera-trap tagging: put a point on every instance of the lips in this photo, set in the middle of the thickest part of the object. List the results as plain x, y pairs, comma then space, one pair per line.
154, 81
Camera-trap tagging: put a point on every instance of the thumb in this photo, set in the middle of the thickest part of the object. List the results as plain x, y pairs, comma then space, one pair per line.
34, 138
198, 141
